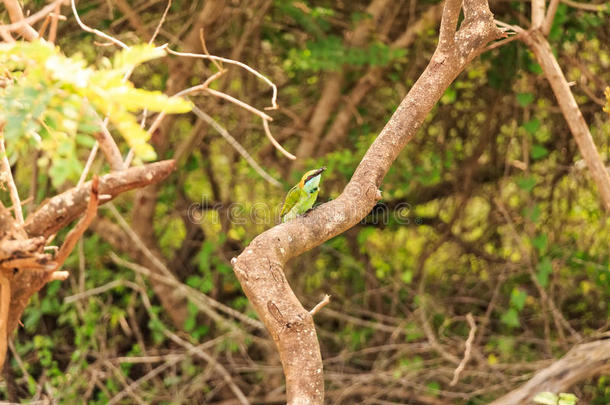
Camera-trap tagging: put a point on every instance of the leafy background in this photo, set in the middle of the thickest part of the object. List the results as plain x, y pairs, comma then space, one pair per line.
486, 211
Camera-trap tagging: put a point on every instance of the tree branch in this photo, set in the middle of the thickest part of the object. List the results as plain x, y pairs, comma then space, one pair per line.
536, 41
19, 24
62, 209
259, 268
580, 363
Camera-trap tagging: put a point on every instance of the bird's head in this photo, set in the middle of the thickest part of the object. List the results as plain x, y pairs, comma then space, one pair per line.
311, 180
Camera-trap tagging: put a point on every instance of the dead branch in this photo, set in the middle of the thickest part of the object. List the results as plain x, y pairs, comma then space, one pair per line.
6, 176
537, 42
259, 268
20, 25
580, 363
62, 209
82, 225
467, 352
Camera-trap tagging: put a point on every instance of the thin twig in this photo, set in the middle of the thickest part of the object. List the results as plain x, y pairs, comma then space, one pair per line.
109, 146
205, 50
206, 357
225, 134
550, 16
320, 305
5, 303
201, 301
95, 31
200, 87
10, 182
585, 6
274, 142
161, 21
87, 167
82, 225
240, 103
467, 352
273, 106
54, 22
502, 42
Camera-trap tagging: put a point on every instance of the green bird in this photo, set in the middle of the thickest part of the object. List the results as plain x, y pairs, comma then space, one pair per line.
301, 197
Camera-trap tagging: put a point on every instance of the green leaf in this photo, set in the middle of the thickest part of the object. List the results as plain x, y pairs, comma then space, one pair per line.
533, 213
525, 99
567, 399
517, 298
546, 398
526, 183
511, 318
539, 242
137, 99
538, 151
532, 126
135, 55
545, 268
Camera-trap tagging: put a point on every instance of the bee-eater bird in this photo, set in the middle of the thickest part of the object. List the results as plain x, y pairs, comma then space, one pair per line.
302, 196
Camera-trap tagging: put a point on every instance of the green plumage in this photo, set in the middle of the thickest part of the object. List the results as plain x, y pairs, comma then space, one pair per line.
301, 197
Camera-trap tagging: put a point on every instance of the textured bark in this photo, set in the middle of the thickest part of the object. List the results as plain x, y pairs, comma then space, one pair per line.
259, 267
536, 41
582, 362
62, 209
25, 244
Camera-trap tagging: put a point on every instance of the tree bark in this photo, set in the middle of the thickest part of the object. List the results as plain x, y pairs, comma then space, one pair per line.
578, 364
259, 268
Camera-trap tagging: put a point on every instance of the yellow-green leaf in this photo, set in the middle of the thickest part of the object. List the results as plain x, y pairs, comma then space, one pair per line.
137, 99
136, 55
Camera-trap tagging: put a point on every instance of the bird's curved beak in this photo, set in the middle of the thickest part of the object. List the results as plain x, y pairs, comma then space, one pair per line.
320, 170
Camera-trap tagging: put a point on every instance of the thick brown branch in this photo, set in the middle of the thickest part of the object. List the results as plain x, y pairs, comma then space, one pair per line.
62, 209
260, 267
578, 364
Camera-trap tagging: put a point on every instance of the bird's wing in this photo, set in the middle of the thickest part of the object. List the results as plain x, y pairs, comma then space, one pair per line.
291, 200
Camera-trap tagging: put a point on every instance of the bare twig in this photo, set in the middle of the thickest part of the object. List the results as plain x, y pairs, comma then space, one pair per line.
7, 176
5, 303
82, 225
95, 31
90, 159
200, 300
225, 134
54, 21
467, 352
21, 25
240, 103
539, 45
320, 305
109, 146
550, 16
585, 6
200, 87
161, 21
273, 106
274, 142
210, 359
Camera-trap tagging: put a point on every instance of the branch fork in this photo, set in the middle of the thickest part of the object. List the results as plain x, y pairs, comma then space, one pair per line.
269, 291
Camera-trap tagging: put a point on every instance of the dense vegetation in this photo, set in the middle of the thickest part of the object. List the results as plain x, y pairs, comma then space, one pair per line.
489, 210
